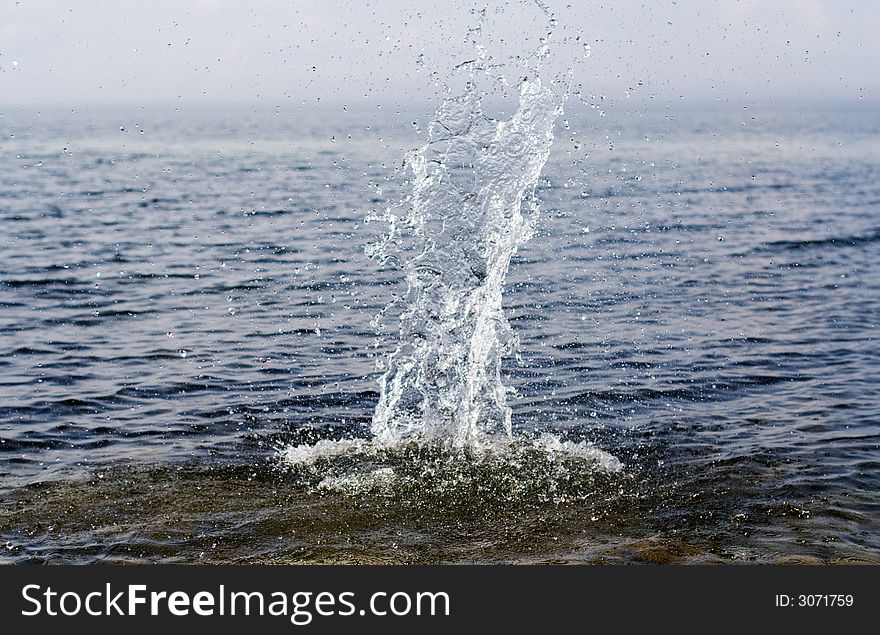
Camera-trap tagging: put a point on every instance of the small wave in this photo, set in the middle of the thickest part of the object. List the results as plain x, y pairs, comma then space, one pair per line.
735, 189
833, 241
39, 282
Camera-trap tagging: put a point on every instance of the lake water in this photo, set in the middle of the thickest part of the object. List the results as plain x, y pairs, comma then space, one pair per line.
185, 293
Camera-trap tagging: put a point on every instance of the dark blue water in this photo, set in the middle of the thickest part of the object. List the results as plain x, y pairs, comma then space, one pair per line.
183, 292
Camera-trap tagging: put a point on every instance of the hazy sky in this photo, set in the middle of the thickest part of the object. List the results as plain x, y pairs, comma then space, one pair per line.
209, 51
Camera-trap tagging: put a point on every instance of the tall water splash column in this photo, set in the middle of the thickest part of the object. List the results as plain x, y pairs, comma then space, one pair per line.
472, 205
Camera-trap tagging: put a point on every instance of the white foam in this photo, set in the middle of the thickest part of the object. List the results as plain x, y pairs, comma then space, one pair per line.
581, 449
551, 445
325, 448
356, 483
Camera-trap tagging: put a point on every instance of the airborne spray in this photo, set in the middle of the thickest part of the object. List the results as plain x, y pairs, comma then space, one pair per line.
472, 205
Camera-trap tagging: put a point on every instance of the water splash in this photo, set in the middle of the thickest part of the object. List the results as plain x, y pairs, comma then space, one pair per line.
443, 408
472, 205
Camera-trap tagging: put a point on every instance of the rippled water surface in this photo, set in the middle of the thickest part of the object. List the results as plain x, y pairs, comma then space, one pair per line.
186, 293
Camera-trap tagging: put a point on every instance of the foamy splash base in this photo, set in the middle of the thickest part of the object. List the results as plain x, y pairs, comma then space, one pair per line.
544, 467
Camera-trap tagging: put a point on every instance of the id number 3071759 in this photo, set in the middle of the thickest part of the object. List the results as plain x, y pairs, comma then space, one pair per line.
814, 600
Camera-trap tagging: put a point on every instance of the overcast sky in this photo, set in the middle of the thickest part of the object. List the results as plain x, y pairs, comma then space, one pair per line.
209, 51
